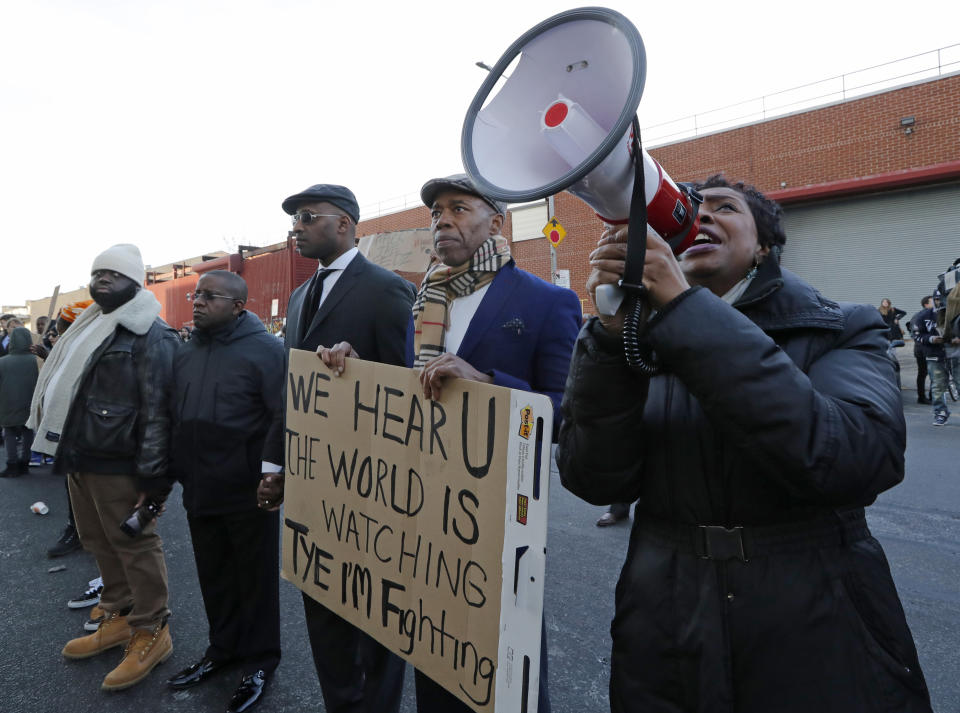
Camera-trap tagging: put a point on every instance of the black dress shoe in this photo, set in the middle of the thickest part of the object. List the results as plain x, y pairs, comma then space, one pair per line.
248, 693
609, 518
192, 675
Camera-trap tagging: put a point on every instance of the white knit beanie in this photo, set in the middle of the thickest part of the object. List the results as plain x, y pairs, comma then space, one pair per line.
123, 258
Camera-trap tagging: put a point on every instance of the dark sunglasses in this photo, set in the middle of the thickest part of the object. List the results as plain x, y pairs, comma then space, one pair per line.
308, 218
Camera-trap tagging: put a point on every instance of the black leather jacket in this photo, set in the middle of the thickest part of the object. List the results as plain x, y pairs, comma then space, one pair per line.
119, 421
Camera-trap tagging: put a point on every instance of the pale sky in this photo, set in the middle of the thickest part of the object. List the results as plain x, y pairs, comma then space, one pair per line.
181, 125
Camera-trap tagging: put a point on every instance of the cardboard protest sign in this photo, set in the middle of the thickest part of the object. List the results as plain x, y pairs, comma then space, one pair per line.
404, 250
423, 522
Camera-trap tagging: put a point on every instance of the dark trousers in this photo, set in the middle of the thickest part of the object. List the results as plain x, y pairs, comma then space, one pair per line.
71, 518
238, 563
14, 436
433, 698
921, 375
357, 675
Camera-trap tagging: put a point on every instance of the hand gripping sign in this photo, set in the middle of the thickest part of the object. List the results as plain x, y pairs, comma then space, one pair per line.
423, 522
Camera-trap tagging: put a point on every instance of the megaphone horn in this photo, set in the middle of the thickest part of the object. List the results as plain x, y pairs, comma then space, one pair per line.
563, 119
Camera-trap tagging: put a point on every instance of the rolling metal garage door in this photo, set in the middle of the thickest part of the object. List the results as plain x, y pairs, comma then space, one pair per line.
885, 245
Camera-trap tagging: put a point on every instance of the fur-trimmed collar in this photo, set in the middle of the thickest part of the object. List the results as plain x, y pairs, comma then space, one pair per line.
136, 315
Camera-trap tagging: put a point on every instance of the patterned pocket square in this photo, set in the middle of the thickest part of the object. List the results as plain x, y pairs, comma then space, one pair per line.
514, 325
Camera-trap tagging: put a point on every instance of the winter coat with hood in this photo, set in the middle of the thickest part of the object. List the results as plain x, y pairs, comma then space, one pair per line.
780, 415
228, 389
18, 377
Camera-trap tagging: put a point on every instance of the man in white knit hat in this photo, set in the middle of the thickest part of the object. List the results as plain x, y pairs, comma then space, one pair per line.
101, 406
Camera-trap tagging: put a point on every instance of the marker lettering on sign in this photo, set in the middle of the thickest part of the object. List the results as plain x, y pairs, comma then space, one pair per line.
473, 533
358, 406
314, 554
478, 471
300, 454
393, 421
367, 477
357, 583
409, 553
301, 393
418, 627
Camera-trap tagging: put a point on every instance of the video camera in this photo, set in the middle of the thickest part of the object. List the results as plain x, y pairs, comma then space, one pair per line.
946, 284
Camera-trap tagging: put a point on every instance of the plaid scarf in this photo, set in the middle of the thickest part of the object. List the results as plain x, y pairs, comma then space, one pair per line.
443, 284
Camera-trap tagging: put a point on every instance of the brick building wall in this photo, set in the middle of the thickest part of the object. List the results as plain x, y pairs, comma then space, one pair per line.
844, 142
858, 138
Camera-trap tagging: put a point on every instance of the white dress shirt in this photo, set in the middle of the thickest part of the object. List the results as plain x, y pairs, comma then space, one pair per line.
459, 316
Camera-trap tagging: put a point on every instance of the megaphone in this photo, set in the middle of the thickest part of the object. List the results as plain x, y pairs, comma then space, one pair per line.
565, 119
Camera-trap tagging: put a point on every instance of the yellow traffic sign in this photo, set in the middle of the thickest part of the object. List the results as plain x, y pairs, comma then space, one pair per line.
554, 232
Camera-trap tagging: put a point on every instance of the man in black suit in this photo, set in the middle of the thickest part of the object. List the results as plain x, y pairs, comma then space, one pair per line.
348, 299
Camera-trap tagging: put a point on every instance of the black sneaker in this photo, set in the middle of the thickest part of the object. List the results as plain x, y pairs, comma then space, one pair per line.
940, 419
68, 542
87, 599
96, 618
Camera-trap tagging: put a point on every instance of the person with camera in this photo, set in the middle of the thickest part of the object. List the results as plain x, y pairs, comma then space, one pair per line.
102, 408
926, 333
925, 304
752, 582
228, 388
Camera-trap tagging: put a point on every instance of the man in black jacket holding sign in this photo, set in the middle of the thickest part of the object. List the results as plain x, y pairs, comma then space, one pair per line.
227, 391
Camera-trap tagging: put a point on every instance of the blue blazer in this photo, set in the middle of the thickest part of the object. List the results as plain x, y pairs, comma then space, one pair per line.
523, 334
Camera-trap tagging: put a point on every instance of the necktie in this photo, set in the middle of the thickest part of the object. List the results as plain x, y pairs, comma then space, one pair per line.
312, 301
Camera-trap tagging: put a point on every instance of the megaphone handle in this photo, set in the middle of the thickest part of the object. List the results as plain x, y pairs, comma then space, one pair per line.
608, 299
636, 223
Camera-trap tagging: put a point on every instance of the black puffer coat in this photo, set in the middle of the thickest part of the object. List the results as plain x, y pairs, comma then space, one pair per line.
18, 377
228, 388
780, 416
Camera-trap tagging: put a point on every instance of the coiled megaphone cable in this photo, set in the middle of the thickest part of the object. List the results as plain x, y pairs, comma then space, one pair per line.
639, 357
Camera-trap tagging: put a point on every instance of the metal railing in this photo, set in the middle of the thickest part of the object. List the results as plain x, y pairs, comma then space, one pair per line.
843, 87
390, 205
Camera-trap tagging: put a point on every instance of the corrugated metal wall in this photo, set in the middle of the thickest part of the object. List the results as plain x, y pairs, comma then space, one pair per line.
174, 308
886, 245
268, 278
271, 276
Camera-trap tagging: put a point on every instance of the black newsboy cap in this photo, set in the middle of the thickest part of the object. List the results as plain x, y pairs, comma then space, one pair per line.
340, 196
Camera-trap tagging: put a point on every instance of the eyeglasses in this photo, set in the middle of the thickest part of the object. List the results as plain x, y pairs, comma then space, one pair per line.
308, 218
205, 296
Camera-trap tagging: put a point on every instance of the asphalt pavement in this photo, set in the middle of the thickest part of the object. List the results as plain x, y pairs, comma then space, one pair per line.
918, 524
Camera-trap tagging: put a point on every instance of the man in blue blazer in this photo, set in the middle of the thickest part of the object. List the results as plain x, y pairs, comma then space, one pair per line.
478, 316
347, 299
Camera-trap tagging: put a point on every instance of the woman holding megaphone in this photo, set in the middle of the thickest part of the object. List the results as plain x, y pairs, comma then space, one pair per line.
752, 582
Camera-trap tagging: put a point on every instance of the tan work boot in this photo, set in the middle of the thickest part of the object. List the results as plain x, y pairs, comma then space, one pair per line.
113, 631
147, 649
